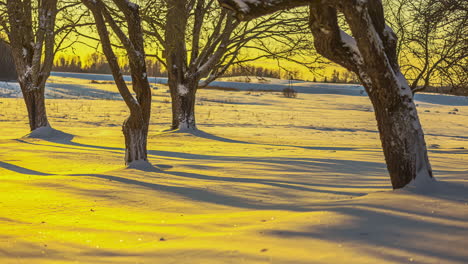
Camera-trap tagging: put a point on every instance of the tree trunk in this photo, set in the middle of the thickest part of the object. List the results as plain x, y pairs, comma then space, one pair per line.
135, 131
371, 53
35, 103
398, 122
402, 138
183, 105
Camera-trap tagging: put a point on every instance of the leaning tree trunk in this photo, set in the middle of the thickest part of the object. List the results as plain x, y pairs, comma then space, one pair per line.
400, 129
371, 54
35, 103
402, 137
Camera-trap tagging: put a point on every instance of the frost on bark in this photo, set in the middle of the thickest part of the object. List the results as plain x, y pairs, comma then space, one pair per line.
135, 127
371, 53
33, 52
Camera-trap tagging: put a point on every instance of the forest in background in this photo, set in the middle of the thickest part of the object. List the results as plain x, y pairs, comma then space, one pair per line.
97, 63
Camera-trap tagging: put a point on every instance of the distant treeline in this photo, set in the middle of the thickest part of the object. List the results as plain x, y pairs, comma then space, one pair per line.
252, 70
96, 63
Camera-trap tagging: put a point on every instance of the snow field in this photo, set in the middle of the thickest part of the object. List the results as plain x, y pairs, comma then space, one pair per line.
268, 179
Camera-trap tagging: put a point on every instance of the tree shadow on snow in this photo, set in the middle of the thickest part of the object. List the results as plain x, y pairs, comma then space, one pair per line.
199, 194
384, 227
202, 134
21, 170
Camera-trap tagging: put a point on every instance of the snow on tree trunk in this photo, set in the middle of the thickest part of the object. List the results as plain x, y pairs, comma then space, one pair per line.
183, 106
371, 54
400, 129
402, 140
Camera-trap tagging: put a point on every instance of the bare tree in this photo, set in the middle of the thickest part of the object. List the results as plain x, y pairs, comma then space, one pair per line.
135, 127
370, 52
201, 40
33, 51
31, 30
433, 42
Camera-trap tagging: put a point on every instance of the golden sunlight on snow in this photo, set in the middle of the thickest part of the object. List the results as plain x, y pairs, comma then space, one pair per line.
267, 180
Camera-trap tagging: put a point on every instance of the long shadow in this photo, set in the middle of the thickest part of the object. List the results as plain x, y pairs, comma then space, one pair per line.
198, 133
382, 226
384, 229
68, 141
455, 192
280, 183
294, 164
299, 186
339, 129
231, 102
209, 136
206, 135
55, 90
439, 135
200, 195
449, 151
374, 226
366, 227
21, 170
298, 164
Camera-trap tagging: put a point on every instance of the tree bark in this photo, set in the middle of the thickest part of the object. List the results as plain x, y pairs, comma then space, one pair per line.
183, 105
135, 131
35, 104
371, 54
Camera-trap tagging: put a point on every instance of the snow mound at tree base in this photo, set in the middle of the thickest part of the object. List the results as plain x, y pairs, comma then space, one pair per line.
422, 183
448, 190
48, 132
142, 165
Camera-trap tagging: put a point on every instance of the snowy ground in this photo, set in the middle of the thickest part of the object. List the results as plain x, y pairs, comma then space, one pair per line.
267, 180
